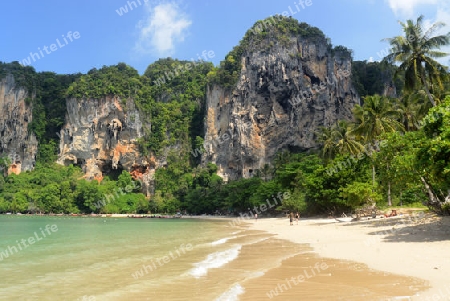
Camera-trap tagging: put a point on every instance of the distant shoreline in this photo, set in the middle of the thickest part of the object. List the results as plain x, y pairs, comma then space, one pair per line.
118, 215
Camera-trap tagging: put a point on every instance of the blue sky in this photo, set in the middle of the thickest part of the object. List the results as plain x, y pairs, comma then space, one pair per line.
83, 34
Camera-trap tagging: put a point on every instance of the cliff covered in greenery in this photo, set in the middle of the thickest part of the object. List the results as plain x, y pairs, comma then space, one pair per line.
287, 82
279, 120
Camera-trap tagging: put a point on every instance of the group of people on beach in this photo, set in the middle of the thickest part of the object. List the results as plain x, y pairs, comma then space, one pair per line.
291, 217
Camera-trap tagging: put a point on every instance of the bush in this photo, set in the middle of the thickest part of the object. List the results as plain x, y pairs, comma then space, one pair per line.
358, 194
412, 195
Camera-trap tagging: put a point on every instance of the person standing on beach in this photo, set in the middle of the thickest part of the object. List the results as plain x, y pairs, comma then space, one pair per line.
291, 218
297, 217
256, 217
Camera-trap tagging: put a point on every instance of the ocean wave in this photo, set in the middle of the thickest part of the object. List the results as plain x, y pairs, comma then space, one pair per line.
222, 240
232, 294
256, 241
214, 260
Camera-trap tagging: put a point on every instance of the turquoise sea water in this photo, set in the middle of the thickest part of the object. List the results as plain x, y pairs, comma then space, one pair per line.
91, 258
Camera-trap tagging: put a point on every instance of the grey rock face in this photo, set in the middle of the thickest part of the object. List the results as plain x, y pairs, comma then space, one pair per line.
284, 94
16, 141
101, 135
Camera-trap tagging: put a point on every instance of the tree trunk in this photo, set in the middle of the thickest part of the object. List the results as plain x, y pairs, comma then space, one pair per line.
426, 88
389, 194
373, 177
433, 200
389, 189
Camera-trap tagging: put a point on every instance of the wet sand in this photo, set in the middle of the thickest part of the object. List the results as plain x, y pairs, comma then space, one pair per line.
310, 277
378, 259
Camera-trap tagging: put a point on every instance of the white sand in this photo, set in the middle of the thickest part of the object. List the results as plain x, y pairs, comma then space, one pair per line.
410, 245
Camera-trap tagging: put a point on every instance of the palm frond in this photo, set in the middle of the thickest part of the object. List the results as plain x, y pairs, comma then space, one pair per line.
416, 51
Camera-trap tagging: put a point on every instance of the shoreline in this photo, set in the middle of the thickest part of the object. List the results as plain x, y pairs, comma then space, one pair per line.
126, 215
415, 246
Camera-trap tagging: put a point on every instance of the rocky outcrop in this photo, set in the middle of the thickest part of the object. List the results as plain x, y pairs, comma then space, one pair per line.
100, 135
289, 84
17, 142
285, 92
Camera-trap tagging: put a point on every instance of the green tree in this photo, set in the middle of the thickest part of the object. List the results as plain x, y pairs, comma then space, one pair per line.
67, 197
376, 117
345, 140
433, 158
19, 203
326, 138
88, 196
49, 199
339, 139
265, 193
238, 194
411, 109
358, 194
416, 52
396, 162
370, 78
124, 180
4, 205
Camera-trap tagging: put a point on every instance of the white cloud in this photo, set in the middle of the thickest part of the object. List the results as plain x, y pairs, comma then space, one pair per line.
406, 7
164, 27
443, 15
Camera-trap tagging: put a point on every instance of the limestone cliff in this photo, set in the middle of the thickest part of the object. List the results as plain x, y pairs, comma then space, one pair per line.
288, 87
17, 142
274, 92
100, 135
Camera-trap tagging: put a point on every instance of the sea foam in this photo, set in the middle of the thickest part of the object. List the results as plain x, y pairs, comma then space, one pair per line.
214, 260
222, 241
232, 294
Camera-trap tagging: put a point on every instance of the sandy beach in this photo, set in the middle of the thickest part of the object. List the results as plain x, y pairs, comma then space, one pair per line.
414, 244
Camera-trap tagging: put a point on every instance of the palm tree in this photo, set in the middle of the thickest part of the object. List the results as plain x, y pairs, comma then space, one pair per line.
416, 52
339, 139
376, 117
326, 139
345, 140
412, 109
